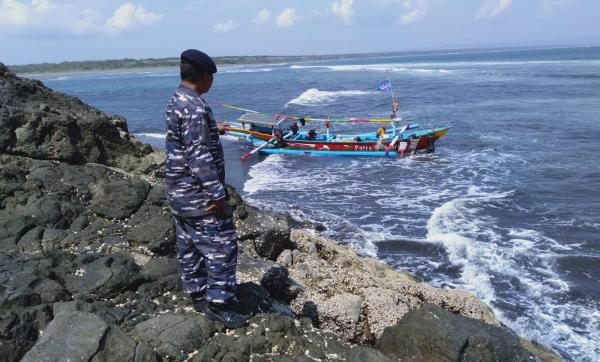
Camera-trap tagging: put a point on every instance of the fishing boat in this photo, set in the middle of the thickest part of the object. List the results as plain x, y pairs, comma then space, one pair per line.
281, 134
276, 134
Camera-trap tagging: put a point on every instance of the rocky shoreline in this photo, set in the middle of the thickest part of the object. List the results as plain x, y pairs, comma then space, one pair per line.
88, 268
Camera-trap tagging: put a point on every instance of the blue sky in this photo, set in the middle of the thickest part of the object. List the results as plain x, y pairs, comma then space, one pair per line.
34, 31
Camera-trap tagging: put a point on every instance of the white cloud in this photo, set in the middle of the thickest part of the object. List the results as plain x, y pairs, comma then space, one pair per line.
59, 18
414, 10
262, 17
412, 16
287, 17
225, 27
128, 15
343, 9
493, 8
13, 12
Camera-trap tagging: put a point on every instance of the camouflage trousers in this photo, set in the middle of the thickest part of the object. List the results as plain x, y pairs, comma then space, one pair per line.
207, 253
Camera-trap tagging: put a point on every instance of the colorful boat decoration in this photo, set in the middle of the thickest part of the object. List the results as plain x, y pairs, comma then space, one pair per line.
281, 134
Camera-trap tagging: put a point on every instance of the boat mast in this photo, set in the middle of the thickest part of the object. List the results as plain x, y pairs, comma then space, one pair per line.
393, 116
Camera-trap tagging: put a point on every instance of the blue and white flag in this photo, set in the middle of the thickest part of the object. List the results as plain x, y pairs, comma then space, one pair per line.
385, 86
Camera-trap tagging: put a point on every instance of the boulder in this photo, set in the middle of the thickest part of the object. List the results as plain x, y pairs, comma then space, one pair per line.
157, 268
74, 336
153, 227
81, 336
176, 335
19, 330
106, 276
271, 337
40, 123
270, 232
277, 282
12, 228
119, 199
433, 334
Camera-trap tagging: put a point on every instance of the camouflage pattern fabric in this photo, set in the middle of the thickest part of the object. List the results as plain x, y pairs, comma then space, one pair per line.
207, 252
195, 165
195, 176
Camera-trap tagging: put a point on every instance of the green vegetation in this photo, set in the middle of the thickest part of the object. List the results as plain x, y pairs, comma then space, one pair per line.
115, 64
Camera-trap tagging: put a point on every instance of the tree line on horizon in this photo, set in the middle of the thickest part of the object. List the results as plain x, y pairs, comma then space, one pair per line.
129, 63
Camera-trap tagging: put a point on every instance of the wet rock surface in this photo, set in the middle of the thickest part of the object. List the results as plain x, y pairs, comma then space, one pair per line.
88, 268
431, 333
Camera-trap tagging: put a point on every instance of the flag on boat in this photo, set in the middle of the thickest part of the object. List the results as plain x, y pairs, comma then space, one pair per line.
386, 85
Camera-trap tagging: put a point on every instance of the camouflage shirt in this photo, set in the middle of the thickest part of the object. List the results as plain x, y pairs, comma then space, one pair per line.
195, 166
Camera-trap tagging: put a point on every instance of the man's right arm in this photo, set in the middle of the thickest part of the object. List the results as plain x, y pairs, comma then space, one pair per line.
197, 153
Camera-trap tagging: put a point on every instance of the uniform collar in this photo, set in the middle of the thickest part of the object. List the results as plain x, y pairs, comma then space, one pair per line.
188, 91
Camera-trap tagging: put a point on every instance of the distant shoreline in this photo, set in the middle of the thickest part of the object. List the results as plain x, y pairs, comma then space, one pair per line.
127, 64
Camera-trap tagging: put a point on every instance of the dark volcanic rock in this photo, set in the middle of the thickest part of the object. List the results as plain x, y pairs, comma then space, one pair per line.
19, 330
105, 277
81, 336
153, 226
42, 124
176, 335
433, 334
12, 228
277, 282
271, 233
119, 199
271, 337
74, 336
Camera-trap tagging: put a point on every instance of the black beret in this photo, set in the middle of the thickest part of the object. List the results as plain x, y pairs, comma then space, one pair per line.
200, 60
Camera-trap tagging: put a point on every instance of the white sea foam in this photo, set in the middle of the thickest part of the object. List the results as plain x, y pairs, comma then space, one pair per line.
486, 254
244, 70
150, 135
404, 68
154, 135
316, 97
439, 67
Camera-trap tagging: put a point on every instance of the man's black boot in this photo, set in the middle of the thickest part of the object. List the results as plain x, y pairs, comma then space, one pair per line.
226, 314
199, 301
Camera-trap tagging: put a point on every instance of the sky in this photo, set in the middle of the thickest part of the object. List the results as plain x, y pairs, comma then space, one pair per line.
34, 31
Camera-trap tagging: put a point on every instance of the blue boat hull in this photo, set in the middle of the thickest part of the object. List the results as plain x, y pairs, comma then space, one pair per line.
284, 151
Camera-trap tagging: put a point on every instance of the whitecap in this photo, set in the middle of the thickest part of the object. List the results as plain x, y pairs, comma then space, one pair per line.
315, 97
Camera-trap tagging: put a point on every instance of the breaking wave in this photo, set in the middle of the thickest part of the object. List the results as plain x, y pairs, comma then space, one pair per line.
316, 97
374, 67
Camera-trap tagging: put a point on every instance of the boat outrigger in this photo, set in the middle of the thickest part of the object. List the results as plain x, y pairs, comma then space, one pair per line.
281, 134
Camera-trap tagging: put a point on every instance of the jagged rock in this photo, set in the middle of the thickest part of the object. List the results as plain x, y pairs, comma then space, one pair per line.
176, 335
271, 233
364, 354
42, 124
285, 258
273, 337
161, 267
105, 276
277, 282
332, 271
19, 330
12, 228
73, 336
32, 240
256, 299
119, 199
81, 336
153, 227
433, 334
341, 313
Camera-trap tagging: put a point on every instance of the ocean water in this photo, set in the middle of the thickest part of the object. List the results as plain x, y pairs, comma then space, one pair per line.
508, 207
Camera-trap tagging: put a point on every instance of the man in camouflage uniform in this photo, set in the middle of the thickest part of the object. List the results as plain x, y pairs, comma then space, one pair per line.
195, 177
